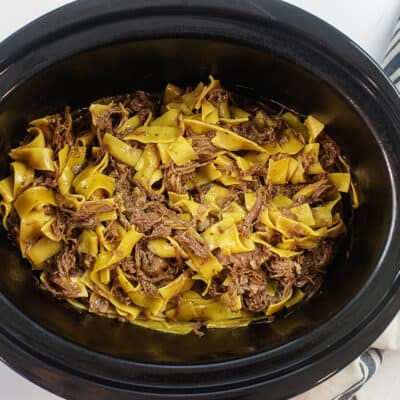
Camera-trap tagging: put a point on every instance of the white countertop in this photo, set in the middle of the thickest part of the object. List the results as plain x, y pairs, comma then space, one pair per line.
368, 22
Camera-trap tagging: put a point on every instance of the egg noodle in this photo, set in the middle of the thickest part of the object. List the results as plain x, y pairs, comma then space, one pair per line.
197, 211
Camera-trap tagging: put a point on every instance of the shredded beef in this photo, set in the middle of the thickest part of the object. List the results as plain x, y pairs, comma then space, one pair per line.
122, 174
288, 190
196, 327
313, 268
111, 232
217, 96
59, 272
203, 146
85, 218
13, 223
249, 280
307, 161
47, 179
195, 244
202, 225
86, 261
323, 190
283, 269
128, 265
58, 228
154, 217
109, 120
138, 199
99, 305
150, 268
257, 300
118, 99
176, 177
65, 261
60, 286
229, 299
272, 236
250, 130
119, 293
142, 104
252, 285
156, 268
63, 130
317, 259
150, 194
216, 288
253, 215
329, 151
249, 260
145, 219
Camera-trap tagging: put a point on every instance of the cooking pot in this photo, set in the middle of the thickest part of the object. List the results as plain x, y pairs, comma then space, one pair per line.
95, 48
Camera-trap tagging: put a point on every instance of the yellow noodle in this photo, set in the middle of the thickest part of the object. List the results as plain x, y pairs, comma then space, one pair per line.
314, 127
22, 176
154, 134
225, 235
181, 151
43, 250
151, 146
70, 161
148, 171
121, 150
33, 198
88, 243
107, 258
31, 226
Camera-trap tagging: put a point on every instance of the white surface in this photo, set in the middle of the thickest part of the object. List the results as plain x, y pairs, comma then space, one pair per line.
368, 22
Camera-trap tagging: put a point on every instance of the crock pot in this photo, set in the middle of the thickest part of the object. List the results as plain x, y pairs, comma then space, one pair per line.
95, 48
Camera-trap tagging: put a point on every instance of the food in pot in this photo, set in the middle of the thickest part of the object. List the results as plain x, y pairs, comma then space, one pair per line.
203, 208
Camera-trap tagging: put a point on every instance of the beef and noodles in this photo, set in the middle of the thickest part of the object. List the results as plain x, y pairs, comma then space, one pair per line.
200, 208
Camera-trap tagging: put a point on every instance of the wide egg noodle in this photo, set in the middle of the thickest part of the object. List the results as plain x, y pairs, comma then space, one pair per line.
225, 235
146, 145
69, 161
22, 175
148, 168
122, 151
91, 179
42, 250
33, 198
35, 154
107, 258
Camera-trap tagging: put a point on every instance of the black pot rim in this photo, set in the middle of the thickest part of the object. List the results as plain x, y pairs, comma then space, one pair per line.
326, 355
